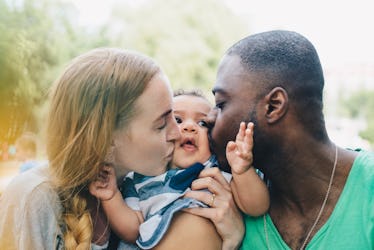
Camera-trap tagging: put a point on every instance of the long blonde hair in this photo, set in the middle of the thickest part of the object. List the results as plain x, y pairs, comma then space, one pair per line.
94, 96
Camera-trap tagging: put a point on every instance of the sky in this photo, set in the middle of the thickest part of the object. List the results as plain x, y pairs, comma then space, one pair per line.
342, 31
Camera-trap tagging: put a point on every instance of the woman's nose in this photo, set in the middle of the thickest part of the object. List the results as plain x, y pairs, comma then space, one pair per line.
173, 131
211, 118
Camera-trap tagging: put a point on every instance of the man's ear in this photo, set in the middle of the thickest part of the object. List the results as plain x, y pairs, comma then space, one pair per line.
277, 104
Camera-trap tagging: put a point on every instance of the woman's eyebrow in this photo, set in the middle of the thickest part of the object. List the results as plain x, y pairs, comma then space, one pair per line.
163, 115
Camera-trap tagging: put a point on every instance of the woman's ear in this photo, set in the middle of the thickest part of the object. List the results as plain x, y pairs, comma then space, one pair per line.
277, 104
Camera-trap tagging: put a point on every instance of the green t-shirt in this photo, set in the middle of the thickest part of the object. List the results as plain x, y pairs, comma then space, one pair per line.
350, 226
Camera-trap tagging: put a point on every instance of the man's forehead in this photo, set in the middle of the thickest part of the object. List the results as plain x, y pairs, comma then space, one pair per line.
228, 61
230, 67
232, 81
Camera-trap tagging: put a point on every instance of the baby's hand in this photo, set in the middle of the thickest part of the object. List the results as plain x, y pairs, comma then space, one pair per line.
239, 153
105, 186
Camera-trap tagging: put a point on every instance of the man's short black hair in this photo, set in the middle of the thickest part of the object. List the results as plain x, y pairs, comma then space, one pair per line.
288, 60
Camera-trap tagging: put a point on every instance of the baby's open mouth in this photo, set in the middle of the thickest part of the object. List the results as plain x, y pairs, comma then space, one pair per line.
188, 143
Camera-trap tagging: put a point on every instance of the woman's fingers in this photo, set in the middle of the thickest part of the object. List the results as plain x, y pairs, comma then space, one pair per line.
223, 211
209, 177
211, 199
224, 214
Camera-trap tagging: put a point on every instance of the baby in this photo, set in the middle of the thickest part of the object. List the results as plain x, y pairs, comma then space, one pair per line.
151, 202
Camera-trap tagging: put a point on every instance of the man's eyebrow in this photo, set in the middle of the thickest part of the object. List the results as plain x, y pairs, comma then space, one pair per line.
218, 90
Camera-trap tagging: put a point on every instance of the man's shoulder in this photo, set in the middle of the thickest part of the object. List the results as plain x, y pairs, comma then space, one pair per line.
363, 169
365, 160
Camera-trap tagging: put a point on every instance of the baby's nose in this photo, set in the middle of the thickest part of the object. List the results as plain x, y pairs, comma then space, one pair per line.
189, 126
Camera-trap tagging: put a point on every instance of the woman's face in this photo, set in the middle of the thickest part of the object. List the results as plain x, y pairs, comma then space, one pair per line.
146, 145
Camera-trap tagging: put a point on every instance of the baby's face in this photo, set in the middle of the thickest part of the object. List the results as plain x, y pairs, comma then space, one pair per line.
193, 146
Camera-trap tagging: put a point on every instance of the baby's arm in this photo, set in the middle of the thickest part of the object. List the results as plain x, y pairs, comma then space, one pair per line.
250, 192
123, 220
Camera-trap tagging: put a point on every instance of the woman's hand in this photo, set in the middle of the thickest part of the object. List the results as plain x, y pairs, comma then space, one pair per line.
223, 211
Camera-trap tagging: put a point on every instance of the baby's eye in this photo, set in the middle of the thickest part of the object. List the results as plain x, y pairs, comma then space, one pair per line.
178, 120
203, 124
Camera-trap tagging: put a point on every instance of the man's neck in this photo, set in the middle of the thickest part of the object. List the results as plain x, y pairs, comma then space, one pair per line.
298, 194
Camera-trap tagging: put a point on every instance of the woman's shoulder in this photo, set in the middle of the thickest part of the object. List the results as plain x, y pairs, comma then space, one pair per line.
32, 186
29, 212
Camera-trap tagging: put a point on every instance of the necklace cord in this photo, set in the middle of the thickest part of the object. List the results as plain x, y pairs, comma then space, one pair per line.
320, 211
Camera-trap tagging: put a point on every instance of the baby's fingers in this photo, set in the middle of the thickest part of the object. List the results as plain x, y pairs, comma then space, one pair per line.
231, 146
105, 172
248, 138
241, 132
99, 184
245, 155
95, 187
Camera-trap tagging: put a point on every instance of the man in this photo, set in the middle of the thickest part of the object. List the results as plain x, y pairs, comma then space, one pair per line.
322, 196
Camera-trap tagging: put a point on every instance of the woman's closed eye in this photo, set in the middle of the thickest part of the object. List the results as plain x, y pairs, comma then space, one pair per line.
164, 124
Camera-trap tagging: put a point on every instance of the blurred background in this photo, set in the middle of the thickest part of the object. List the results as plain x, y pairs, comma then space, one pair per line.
187, 37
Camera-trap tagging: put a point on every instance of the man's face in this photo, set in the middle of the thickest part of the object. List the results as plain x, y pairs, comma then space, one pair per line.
235, 102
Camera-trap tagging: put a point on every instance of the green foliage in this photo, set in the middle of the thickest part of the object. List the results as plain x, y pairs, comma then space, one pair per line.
32, 34
368, 133
187, 38
361, 104
38, 37
358, 103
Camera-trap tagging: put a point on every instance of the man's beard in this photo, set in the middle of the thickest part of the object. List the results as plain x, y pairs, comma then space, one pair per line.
221, 156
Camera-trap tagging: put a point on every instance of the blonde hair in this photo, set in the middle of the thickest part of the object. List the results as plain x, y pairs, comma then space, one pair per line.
94, 96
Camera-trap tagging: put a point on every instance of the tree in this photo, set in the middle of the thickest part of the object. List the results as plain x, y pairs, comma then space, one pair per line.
361, 104
37, 38
27, 50
187, 38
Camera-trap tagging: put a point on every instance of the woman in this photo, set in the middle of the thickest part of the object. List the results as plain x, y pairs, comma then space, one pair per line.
108, 107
